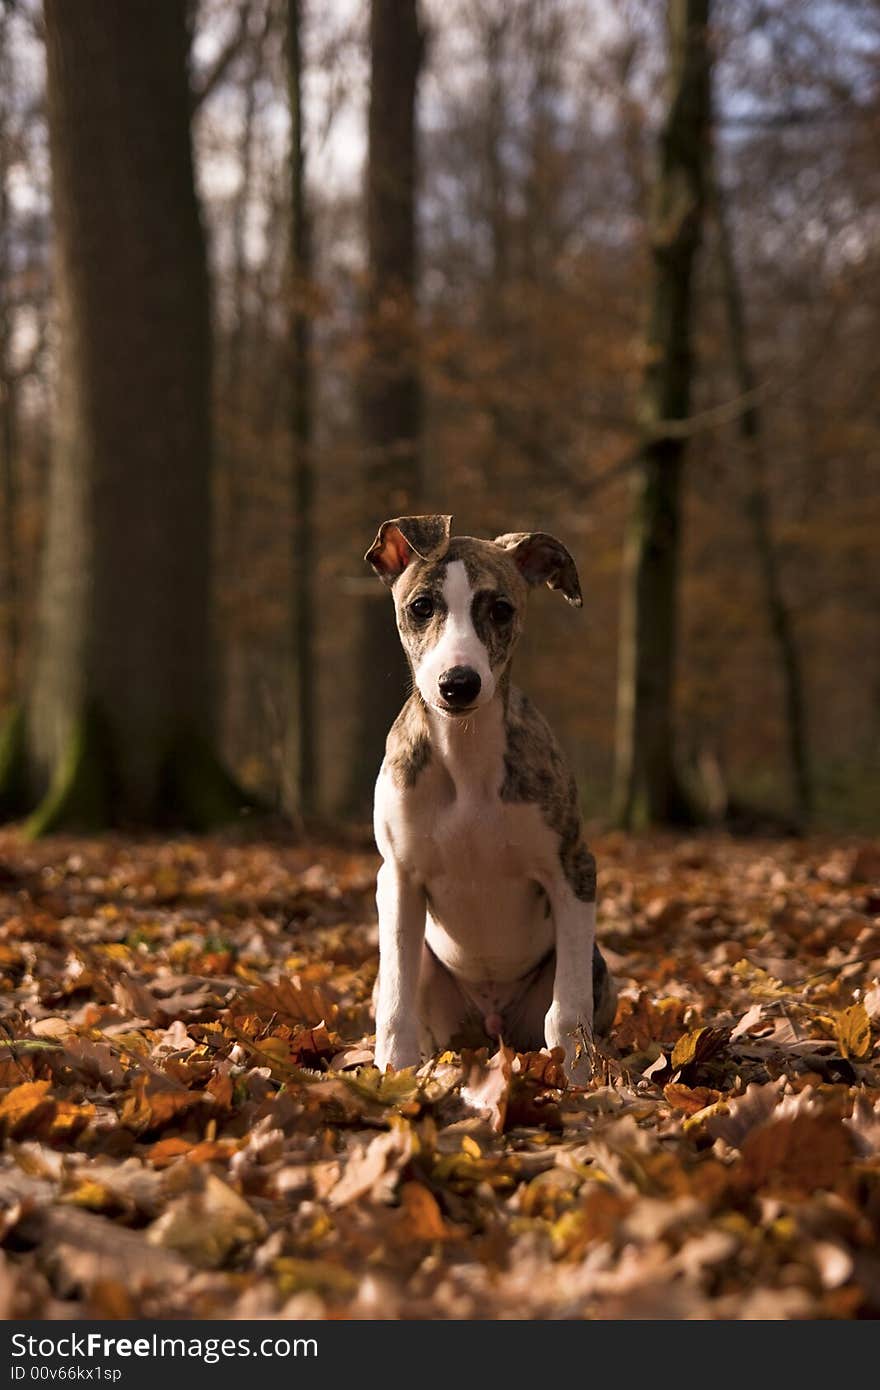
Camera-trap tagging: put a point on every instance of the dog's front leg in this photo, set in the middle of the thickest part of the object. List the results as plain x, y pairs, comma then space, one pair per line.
569, 1020
402, 906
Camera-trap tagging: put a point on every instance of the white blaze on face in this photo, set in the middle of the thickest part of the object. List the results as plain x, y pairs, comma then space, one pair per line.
459, 644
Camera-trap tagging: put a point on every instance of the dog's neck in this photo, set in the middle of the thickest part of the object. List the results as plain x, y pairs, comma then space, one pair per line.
471, 748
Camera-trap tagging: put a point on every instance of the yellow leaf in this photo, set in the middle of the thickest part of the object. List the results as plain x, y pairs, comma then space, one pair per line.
388, 1088
697, 1121
685, 1049
92, 1195
24, 1107
853, 1029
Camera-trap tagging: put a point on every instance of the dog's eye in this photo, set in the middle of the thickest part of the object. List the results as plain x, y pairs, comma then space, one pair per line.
500, 611
422, 607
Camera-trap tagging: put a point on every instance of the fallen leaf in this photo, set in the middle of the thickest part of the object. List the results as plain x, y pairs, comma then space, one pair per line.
853, 1030
745, 1113
207, 1226
690, 1099
487, 1088
24, 1108
366, 1165
698, 1046
804, 1153
420, 1217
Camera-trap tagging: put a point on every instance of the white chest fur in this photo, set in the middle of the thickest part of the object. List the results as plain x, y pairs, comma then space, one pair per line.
482, 861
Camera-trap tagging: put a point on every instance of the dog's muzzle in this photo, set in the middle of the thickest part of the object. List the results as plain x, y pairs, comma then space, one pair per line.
459, 687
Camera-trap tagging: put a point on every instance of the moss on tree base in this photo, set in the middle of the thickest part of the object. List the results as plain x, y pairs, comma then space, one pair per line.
13, 765
88, 791
80, 796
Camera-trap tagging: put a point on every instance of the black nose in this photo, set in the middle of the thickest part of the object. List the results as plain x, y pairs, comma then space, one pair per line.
459, 686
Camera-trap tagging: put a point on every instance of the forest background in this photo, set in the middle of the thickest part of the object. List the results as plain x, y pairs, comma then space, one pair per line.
273, 272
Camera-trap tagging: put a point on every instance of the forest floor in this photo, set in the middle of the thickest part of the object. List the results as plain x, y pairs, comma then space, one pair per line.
192, 1125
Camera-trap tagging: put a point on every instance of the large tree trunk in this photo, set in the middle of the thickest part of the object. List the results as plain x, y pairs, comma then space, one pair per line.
118, 724
759, 515
647, 789
299, 780
390, 392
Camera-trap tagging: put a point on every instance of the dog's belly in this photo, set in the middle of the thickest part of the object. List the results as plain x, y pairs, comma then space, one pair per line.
489, 919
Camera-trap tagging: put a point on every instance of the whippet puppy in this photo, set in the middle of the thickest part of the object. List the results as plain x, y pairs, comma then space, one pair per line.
486, 894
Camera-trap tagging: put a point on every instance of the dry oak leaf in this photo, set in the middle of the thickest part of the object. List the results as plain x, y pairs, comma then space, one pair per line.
149, 1105
644, 1020
745, 1113
805, 1152
690, 1099
94, 1062
289, 1001
206, 1227
853, 1030
374, 1167
698, 1046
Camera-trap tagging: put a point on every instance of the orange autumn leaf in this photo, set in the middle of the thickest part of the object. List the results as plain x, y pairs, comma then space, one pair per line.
24, 1108
690, 1099
421, 1217
148, 1106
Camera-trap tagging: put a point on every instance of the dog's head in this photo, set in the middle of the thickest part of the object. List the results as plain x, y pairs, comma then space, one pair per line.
460, 602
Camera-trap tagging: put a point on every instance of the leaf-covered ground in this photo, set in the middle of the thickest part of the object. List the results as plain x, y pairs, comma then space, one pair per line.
192, 1126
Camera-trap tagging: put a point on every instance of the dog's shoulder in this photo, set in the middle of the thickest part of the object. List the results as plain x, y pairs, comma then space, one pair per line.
536, 771
408, 746
535, 768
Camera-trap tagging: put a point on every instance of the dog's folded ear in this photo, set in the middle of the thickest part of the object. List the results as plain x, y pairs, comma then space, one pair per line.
542, 559
398, 540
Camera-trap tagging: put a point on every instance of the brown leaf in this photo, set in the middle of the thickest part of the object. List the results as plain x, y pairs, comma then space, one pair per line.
420, 1217
690, 1099
150, 1105
368, 1165
94, 1062
803, 1153
289, 1001
745, 1113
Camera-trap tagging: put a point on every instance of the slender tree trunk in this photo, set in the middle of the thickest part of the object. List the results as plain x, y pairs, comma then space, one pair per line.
647, 789
390, 389
9, 566
758, 511
118, 724
494, 44
299, 779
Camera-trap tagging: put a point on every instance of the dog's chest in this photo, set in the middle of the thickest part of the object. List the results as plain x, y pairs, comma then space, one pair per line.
483, 861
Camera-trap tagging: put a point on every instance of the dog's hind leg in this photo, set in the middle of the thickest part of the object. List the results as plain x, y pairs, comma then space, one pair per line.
447, 1018
525, 1022
604, 994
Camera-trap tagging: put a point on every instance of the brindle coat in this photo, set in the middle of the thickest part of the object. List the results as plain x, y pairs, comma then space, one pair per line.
470, 805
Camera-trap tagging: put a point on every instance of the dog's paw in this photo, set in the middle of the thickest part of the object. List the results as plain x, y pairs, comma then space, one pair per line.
397, 1052
574, 1035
